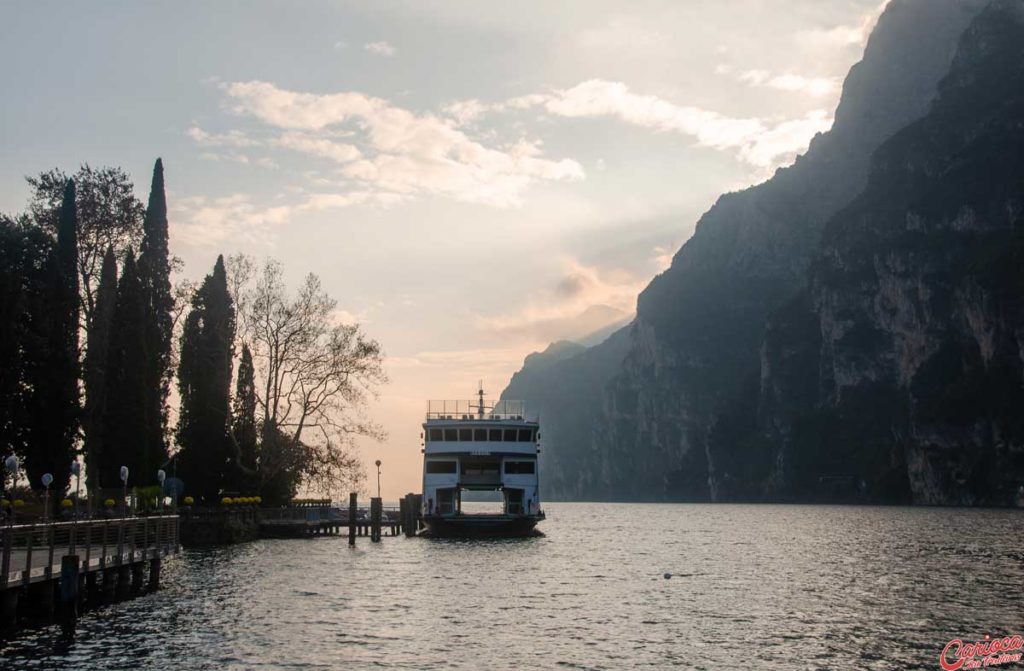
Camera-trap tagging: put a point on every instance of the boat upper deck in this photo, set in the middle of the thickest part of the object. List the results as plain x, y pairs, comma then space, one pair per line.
479, 428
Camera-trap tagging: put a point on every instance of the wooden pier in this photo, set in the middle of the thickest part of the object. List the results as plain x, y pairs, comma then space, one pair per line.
305, 521
68, 564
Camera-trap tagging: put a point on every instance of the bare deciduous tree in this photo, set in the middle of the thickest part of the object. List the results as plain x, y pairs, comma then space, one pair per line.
314, 378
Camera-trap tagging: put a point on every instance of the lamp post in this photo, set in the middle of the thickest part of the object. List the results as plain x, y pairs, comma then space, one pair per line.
161, 475
378, 477
47, 481
124, 493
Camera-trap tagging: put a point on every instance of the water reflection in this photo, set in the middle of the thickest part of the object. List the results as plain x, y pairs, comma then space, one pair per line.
759, 587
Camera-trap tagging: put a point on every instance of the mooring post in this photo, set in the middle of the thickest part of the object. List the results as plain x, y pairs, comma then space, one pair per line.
92, 592
109, 585
124, 582
352, 508
8, 611
138, 571
409, 516
417, 508
376, 509
69, 567
154, 574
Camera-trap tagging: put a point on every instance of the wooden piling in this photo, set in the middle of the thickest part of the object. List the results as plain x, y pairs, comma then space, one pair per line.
154, 575
69, 569
8, 611
417, 509
376, 510
352, 510
408, 516
109, 585
138, 572
92, 591
124, 582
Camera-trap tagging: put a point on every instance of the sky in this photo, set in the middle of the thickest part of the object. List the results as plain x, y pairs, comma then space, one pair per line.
470, 180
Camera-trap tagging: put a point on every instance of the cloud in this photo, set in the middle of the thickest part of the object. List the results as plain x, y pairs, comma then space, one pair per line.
380, 48
238, 157
333, 201
319, 146
232, 138
471, 364
763, 143
466, 111
849, 35
399, 152
585, 299
208, 222
813, 86
663, 256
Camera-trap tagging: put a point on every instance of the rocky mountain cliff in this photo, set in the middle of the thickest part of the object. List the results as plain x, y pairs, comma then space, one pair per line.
720, 389
901, 368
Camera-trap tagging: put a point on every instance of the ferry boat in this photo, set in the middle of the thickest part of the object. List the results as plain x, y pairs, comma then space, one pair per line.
480, 447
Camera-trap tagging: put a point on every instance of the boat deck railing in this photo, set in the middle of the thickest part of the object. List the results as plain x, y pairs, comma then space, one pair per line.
469, 410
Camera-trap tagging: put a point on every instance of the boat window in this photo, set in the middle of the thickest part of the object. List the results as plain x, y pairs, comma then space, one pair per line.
436, 434
495, 435
480, 435
465, 435
441, 467
510, 435
519, 468
451, 434
525, 435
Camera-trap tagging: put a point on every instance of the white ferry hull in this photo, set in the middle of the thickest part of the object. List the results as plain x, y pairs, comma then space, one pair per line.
478, 525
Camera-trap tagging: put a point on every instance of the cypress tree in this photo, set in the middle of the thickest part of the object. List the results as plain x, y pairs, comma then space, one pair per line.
53, 380
155, 277
95, 369
207, 460
20, 262
124, 419
244, 419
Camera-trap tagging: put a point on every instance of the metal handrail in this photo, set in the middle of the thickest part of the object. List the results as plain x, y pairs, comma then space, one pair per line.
30, 550
459, 409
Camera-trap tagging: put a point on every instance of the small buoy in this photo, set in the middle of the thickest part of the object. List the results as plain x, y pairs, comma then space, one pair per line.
667, 576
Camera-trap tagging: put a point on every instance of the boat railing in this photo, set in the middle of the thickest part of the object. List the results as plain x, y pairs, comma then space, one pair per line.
458, 409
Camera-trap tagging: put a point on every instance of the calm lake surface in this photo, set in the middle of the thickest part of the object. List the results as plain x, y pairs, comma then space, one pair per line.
753, 587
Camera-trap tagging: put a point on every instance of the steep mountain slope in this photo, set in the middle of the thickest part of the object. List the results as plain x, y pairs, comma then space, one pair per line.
644, 403
902, 367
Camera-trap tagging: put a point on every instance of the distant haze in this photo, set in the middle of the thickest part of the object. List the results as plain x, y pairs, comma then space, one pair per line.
470, 180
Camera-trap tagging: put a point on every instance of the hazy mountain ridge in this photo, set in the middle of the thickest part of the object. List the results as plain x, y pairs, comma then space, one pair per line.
674, 403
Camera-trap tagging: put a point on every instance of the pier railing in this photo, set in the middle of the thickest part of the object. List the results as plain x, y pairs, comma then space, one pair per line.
32, 552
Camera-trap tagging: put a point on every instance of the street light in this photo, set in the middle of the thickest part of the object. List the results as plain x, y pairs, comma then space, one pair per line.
124, 494
161, 475
47, 481
378, 477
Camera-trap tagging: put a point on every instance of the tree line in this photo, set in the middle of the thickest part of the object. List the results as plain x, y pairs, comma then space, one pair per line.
87, 262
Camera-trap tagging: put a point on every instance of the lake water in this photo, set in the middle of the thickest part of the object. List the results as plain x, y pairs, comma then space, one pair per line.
753, 587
